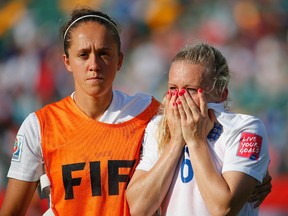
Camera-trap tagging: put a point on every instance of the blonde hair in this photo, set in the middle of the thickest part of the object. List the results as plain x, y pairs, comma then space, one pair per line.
218, 76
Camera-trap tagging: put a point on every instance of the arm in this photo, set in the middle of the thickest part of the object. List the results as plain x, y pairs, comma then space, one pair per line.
147, 190
18, 197
28, 170
224, 194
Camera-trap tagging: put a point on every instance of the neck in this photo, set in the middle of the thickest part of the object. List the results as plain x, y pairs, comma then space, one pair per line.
94, 107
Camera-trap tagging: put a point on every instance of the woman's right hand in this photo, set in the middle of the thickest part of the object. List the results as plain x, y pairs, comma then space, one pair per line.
173, 117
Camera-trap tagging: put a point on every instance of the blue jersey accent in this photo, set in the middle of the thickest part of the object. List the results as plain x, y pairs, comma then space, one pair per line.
186, 167
215, 132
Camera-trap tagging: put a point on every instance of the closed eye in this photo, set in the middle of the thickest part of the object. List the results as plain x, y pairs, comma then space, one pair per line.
191, 90
172, 88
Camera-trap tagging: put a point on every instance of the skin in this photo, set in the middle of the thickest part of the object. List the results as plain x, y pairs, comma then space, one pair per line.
93, 60
189, 122
17, 197
261, 191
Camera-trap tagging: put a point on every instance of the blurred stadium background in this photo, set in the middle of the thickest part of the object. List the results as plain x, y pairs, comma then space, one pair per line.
253, 35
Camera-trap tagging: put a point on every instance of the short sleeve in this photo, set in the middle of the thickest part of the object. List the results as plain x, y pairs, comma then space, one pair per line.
27, 159
149, 152
248, 150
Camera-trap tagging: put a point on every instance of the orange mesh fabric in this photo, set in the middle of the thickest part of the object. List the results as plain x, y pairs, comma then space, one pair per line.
89, 163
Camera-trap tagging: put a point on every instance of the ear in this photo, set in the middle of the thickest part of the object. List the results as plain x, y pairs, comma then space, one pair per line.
67, 62
120, 61
224, 94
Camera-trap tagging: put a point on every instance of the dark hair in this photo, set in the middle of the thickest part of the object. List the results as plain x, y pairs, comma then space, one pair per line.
99, 17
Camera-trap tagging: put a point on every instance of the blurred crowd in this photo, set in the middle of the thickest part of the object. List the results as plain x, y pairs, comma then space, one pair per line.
252, 34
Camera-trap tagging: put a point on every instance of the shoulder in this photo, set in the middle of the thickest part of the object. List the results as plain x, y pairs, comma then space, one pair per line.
236, 123
55, 108
138, 101
249, 122
240, 122
155, 120
30, 128
153, 125
59, 103
31, 121
139, 97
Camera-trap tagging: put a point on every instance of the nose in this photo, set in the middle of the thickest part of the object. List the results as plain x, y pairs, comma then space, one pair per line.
94, 62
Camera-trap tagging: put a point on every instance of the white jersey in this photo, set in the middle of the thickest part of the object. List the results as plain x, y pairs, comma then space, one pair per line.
238, 143
27, 159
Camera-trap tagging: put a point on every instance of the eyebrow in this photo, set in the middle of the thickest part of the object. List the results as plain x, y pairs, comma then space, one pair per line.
88, 48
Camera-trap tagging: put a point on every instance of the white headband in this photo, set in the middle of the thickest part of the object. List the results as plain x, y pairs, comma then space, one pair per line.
91, 15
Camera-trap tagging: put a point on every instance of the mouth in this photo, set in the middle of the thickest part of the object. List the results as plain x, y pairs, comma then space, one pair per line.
95, 78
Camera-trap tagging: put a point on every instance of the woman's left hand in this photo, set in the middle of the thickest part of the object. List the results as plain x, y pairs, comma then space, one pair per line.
196, 120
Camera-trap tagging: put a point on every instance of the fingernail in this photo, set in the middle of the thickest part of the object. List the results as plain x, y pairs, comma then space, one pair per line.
174, 104
178, 102
182, 92
200, 90
168, 92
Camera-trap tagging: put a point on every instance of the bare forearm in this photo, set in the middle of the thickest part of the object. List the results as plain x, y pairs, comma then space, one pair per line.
213, 187
224, 194
18, 197
145, 193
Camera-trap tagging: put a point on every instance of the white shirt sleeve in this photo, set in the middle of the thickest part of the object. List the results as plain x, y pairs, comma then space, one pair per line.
149, 153
27, 159
248, 150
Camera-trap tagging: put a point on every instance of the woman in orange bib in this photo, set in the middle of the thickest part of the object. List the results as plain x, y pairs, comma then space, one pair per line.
85, 147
